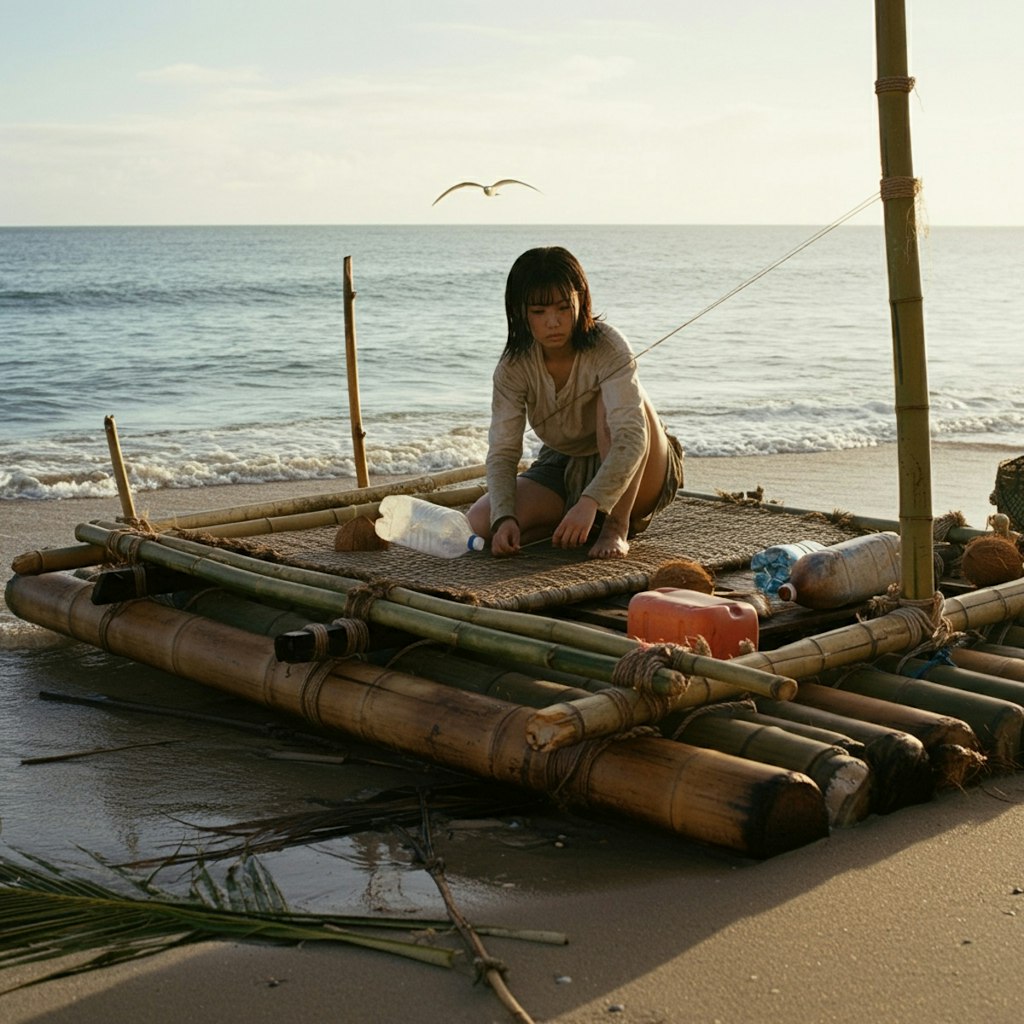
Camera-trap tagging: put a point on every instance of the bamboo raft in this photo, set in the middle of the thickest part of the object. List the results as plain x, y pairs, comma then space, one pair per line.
523, 673
531, 678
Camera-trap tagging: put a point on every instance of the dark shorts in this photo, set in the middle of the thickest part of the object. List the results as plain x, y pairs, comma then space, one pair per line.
553, 470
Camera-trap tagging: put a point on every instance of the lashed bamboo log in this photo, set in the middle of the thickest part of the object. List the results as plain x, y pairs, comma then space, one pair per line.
702, 795
1007, 662
323, 592
352, 372
842, 778
335, 516
844, 781
1008, 690
466, 674
898, 760
928, 726
855, 748
316, 502
864, 641
958, 724
442, 628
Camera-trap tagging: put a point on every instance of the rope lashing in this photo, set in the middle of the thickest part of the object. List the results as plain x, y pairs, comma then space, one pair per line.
357, 638
636, 669
899, 187
722, 708
360, 599
309, 694
575, 763
929, 629
895, 83
131, 555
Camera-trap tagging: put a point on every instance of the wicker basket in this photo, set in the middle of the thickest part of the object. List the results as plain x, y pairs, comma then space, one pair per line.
1008, 495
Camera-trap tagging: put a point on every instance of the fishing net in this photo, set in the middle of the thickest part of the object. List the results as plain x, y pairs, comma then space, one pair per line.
1008, 494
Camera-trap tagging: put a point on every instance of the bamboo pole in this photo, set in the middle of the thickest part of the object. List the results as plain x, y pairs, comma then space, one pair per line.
702, 795
441, 628
356, 416
899, 762
124, 491
993, 725
74, 556
869, 524
899, 190
316, 502
324, 592
336, 516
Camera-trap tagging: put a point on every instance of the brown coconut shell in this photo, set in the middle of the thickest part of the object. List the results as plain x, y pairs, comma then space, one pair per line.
358, 535
684, 575
990, 560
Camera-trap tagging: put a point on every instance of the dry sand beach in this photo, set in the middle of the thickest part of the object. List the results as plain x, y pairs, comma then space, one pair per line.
914, 916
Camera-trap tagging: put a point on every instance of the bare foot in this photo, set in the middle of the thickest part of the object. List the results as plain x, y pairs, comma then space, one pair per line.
611, 542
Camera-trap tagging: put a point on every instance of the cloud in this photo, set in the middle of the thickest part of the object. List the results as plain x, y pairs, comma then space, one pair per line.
196, 75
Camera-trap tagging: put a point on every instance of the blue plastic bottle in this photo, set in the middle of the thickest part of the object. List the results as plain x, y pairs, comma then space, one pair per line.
772, 565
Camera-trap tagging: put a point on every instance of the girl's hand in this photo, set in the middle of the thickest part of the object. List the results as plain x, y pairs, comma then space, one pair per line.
505, 541
576, 524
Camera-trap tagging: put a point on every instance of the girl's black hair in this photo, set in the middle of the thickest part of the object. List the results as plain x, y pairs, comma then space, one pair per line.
542, 277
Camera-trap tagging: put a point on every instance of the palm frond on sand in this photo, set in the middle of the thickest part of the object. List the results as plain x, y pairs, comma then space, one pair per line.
48, 914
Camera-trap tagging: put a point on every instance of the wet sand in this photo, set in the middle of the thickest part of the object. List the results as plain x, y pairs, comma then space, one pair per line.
906, 917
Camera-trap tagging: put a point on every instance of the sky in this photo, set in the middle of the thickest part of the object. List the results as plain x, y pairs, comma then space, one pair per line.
337, 112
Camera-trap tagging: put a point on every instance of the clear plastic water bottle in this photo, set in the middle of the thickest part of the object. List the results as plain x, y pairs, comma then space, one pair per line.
772, 566
424, 526
845, 573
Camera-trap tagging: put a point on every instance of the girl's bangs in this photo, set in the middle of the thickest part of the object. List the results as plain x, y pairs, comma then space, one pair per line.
548, 294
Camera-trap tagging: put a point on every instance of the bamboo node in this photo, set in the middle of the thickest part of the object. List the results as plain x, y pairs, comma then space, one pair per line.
899, 187
895, 83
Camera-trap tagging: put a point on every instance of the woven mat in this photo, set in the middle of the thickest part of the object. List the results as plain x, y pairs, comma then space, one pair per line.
720, 536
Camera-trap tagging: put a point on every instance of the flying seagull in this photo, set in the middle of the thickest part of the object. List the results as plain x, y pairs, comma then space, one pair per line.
488, 190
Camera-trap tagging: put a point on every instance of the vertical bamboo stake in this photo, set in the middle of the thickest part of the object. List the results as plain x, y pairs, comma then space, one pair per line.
358, 434
899, 190
124, 491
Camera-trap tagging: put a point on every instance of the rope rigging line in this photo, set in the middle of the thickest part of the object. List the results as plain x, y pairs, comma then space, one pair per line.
817, 236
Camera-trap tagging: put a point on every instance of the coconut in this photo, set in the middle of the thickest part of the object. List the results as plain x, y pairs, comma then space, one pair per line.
358, 535
684, 575
991, 559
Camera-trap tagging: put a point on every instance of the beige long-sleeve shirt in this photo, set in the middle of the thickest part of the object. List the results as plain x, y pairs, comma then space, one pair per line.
524, 393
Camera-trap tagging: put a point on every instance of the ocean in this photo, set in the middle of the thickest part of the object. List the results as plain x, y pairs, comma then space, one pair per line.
220, 351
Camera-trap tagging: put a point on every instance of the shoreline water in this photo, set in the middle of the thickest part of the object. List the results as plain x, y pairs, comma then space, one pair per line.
905, 917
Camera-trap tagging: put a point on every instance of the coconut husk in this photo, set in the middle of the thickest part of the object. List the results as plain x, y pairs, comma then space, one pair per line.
990, 560
683, 574
358, 535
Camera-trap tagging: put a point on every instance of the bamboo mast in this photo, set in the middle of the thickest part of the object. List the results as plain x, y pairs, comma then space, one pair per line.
899, 189
358, 434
